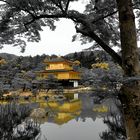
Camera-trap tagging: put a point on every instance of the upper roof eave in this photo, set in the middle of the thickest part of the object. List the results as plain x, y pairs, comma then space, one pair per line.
57, 60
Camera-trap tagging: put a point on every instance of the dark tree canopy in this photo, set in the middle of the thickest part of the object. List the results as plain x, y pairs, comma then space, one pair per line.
99, 23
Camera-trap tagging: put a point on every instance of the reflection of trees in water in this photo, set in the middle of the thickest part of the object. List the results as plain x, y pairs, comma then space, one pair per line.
113, 118
13, 125
115, 122
116, 129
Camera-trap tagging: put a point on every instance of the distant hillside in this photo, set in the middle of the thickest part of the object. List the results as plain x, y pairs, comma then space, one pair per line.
7, 56
87, 58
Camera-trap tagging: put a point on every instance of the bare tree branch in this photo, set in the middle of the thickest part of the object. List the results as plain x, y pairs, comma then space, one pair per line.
32, 8
103, 17
67, 5
59, 5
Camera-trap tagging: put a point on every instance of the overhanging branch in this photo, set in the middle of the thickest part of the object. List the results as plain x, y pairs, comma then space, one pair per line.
110, 51
73, 15
34, 18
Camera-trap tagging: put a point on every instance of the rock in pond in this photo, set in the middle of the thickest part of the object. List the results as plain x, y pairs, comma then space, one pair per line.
38, 113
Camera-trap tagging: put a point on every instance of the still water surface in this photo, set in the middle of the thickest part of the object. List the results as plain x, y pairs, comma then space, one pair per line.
80, 118
74, 130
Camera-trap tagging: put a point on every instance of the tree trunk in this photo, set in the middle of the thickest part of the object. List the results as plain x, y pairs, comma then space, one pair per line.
131, 129
130, 59
131, 67
130, 98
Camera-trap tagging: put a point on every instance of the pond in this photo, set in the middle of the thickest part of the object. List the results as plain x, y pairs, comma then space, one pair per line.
84, 116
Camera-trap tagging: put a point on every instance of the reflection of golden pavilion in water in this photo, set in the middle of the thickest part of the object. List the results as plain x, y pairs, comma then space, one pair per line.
60, 112
63, 112
62, 70
78, 106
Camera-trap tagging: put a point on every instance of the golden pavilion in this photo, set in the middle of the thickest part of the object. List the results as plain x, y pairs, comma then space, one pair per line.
62, 70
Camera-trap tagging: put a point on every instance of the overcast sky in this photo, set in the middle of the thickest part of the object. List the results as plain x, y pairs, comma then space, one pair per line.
57, 42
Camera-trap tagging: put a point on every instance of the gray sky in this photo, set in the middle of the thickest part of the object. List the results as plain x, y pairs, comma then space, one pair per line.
57, 42
52, 42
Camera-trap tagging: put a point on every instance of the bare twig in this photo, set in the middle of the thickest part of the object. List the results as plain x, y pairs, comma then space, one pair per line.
103, 17
67, 5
